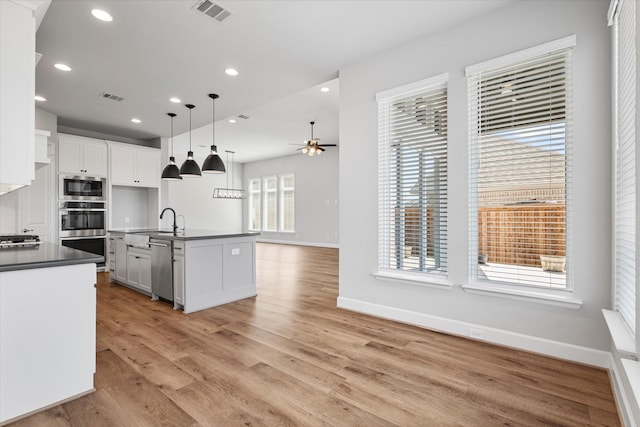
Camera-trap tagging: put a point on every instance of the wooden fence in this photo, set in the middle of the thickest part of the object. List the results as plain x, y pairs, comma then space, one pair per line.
519, 234
516, 234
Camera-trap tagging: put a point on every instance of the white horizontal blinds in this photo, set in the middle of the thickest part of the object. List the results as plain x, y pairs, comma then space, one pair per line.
270, 203
519, 127
254, 204
287, 203
412, 210
625, 162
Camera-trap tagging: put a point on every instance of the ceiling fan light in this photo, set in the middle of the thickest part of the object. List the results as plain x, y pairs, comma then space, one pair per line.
305, 150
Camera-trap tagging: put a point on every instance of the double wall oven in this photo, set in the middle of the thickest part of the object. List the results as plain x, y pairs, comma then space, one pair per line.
82, 213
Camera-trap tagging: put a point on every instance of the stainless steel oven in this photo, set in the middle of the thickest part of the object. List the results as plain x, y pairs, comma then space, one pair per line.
82, 219
82, 188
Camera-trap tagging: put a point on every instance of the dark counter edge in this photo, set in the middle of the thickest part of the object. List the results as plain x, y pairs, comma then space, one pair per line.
46, 264
182, 238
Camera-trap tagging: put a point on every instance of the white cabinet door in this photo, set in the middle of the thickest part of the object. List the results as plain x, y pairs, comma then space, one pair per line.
139, 269
38, 205
70, 156
95, 159
148, 167
133, 269
17, 86
121, 259
145, 272
81, 156
122, 165
134, 166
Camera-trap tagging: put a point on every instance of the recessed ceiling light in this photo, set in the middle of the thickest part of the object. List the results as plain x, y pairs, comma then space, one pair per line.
232, 120
135, 120
39, 98
63, 67
324, 89
231, 71
175, 100
101, 15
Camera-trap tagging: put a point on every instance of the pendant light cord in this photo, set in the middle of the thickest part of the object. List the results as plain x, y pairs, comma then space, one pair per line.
190, 129
171, 136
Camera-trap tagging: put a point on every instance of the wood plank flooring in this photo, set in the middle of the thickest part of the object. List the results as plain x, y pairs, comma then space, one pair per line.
290, 358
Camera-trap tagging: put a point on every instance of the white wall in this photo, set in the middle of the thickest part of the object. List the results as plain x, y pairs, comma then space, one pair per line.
193, 198
316, 196
518, 26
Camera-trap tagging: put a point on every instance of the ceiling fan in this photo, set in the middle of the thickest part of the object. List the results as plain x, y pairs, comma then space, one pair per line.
312, 145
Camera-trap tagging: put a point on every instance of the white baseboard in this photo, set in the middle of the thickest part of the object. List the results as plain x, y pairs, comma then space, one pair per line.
530, 343
293, 242
622, 398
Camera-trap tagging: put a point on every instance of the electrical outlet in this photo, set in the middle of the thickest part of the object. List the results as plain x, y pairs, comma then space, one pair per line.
476, 334
126, 220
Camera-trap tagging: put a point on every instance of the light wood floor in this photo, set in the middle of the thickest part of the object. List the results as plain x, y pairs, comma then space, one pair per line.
290, 358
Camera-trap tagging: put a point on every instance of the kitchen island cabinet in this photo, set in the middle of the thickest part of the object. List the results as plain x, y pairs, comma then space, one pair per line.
47, 327
209, 268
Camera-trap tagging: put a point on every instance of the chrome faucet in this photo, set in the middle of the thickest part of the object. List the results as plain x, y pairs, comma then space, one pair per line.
175, 226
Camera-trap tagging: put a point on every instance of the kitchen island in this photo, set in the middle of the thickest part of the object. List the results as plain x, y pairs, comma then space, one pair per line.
47, 327
207, 267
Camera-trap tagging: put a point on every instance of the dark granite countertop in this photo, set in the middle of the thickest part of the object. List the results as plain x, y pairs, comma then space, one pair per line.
45, 255
184, 235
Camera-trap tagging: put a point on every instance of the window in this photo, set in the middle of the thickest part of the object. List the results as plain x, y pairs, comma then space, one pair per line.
271, 204
254, 204
519, 166
412, 193
624, 33
287, 203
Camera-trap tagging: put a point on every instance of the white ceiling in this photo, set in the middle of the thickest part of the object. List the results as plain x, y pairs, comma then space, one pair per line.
284, 51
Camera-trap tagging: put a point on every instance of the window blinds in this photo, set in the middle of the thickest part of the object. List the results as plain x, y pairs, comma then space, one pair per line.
287, 203
270, 203
412, 208
254, 204
625, 161
519, 117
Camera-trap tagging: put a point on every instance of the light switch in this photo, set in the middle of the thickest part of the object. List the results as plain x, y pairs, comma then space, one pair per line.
235, 251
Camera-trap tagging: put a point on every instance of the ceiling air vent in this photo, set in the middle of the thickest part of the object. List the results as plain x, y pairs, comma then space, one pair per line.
213, 10
110, 96
242, 116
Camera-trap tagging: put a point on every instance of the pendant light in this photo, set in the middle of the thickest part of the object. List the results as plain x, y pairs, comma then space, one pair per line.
190, 168
229, 192
171, 171
213, 162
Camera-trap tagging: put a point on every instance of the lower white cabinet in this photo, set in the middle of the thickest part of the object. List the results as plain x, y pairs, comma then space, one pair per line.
139, 269
120, 259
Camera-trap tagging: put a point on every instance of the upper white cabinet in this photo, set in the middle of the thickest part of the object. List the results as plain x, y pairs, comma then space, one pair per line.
134, 165
82, 156
17, 86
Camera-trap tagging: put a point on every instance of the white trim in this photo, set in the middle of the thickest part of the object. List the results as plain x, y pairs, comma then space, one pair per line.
411, 88
420, 279
519, 341
631, 369
522, 55
293, 242
623, 338
558, 298
622, 398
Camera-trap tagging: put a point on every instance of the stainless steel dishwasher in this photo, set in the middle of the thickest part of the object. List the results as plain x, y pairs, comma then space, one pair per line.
161, 269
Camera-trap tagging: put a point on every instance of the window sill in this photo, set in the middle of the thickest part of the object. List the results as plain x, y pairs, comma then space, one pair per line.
421, 279
622, 337
564, 299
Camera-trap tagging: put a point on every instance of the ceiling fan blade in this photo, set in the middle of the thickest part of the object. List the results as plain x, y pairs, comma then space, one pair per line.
327, 145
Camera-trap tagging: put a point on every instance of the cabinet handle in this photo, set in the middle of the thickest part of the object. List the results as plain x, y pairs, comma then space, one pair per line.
137, 257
